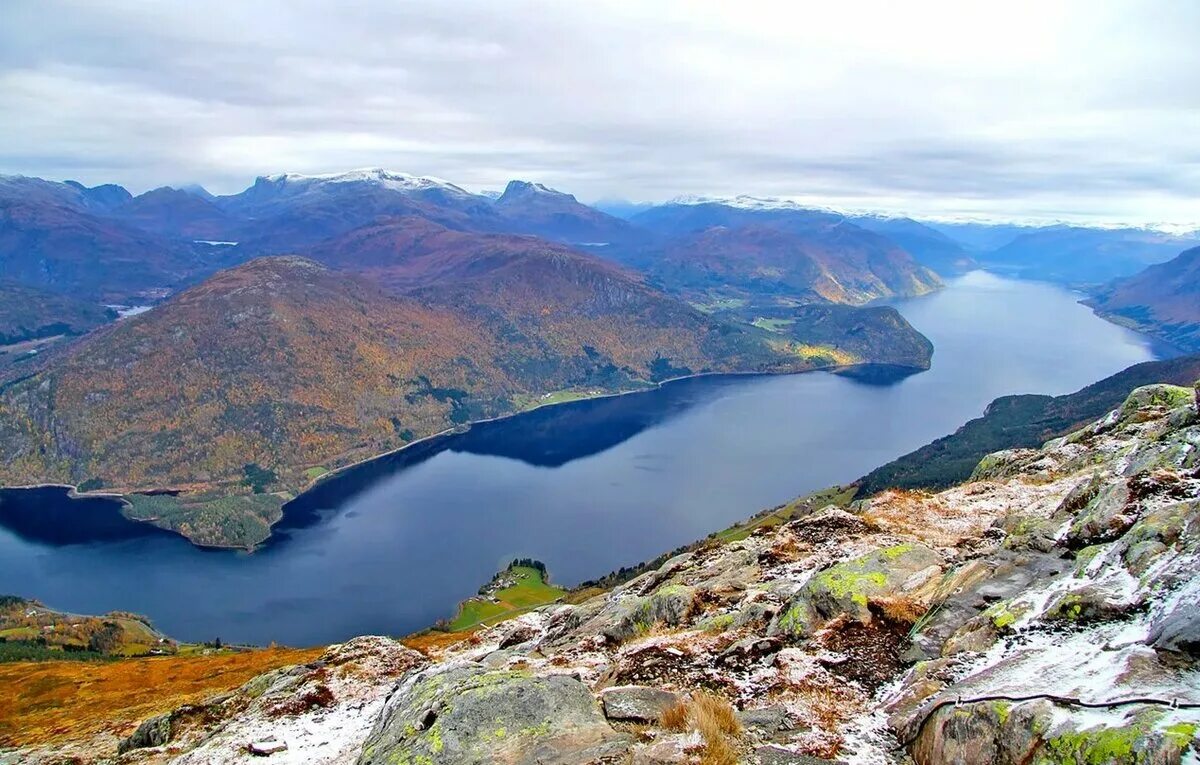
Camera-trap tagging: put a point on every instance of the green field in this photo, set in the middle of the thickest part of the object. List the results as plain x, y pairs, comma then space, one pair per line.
720, 304
530, 591
773, 325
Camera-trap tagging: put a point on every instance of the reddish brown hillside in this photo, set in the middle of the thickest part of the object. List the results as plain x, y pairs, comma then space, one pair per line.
286, 364
1163, 300
63, 249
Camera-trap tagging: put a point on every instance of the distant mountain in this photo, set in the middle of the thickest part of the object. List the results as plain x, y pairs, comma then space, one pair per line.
532, 208
770, 255
66, 249
981, 237
108, 196
1076, 255
1163, 300
197, 190
284, 364
172, 212
27, 313
283, 212
927, 245
620, 208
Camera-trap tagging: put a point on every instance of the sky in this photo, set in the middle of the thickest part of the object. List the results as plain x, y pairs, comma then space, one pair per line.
1012, 110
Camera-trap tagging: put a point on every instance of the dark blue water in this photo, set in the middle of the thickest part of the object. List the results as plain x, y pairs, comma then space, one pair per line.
586, 487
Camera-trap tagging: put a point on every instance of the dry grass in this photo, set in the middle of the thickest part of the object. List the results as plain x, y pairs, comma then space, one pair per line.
675, 718
58, 701
901, 610
716, 722
432, 642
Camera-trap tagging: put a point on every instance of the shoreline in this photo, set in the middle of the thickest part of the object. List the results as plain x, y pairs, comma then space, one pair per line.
74, 493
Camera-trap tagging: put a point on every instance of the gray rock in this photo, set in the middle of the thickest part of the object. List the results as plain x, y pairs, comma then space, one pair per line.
848, 587
775, 755
153, 732
636, 703
668, 606
266, 747
1178, 630
749, 650
1106, 518
497, 659
465, 714
669, 750
768, 720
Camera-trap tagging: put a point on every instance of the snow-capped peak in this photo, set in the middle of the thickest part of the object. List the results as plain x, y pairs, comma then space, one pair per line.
374, 175
746, 202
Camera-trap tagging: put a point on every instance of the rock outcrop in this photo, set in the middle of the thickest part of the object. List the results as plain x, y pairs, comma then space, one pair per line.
1048, 610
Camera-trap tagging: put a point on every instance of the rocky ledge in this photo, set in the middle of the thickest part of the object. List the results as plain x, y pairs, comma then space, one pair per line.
1048, 610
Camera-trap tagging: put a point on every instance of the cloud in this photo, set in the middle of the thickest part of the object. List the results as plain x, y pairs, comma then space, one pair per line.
1016, 109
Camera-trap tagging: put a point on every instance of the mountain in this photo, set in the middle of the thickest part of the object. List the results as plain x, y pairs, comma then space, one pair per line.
282, 365
927, 245
107, 196
1023, 421
1163, 300
717, 252
53, 246
1041, 611
978, 237
763, 264
531, 208
29, 314
172, 212
288, 211
1077, 255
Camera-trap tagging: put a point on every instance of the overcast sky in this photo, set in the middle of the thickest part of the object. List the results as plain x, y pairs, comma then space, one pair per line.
1087, 110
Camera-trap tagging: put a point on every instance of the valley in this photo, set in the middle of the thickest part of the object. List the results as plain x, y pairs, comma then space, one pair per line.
568, 484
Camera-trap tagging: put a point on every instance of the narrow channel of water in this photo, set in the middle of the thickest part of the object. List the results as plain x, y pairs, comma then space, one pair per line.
586, 487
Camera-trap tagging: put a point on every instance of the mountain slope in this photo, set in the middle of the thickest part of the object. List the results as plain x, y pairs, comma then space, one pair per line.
1163, 300
768, 256
289, 211
65, 249
27, 313
928, 246
531, 208
1078, 256
1023, 421
286, 365
171, 212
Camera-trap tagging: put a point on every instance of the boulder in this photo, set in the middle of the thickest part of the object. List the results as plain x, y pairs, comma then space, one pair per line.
1150, 401
466, 714
847, 588
669, 606
153, 732
636, 703
266, 747
1178, 630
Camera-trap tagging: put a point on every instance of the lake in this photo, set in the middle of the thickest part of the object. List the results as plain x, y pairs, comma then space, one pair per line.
586, 487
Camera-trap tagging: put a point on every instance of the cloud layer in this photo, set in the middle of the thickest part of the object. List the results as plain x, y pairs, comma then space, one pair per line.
1019, 109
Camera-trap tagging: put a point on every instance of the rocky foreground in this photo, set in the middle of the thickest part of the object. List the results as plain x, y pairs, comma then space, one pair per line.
1048, 610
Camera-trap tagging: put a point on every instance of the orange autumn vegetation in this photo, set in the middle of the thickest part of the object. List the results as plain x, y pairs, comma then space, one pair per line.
58, 701
285, 363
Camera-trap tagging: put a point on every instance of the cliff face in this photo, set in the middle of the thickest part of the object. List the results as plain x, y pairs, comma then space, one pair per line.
1044, 611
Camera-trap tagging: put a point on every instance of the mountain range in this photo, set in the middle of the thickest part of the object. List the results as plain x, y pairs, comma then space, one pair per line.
310, 321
